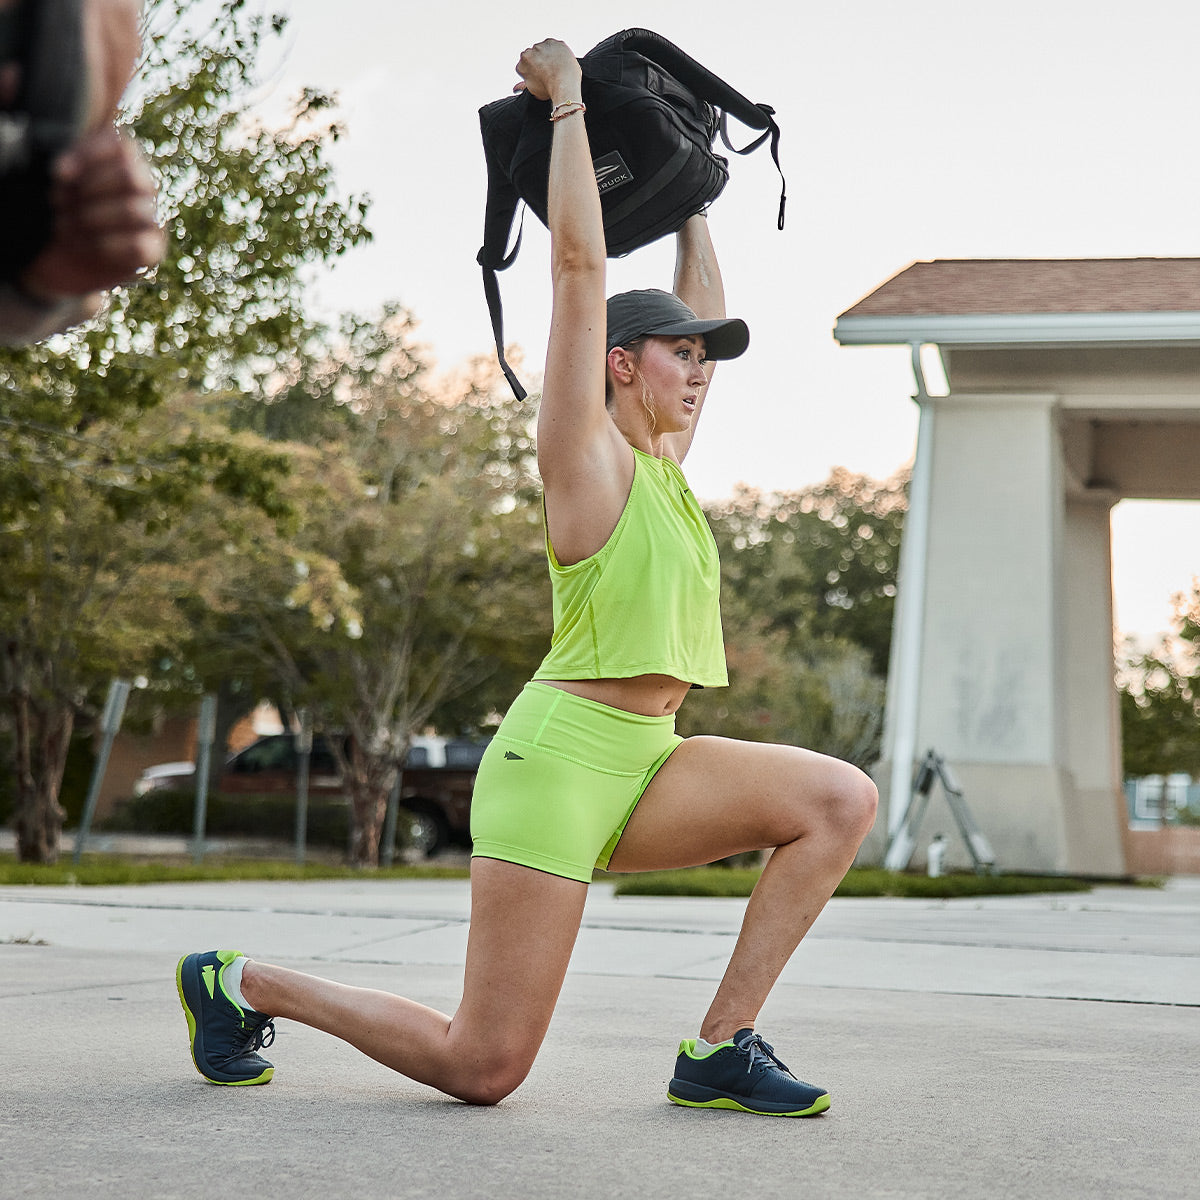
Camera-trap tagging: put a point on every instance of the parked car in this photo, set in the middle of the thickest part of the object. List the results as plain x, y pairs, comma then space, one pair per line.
435, 790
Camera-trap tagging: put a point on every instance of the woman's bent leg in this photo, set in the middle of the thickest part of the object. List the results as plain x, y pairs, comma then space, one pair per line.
523, 928
715, 797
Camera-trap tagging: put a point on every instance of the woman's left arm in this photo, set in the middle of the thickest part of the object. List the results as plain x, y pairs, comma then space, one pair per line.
698, 284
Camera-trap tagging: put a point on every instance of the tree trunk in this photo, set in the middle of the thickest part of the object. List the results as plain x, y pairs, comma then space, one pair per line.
370, 777
231, 708
368, 809
43, 734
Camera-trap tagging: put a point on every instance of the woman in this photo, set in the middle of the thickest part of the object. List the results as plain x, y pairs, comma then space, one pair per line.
586, 768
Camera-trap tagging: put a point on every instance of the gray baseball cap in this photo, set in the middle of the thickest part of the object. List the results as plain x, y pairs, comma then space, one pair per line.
651, 311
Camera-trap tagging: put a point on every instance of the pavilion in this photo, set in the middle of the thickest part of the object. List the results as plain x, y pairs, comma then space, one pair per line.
1072, 384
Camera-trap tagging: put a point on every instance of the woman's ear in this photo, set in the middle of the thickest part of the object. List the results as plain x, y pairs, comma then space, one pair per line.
621, 363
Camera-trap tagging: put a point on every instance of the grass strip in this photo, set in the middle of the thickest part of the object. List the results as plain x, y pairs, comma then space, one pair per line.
863, 881
108, 871
111, 871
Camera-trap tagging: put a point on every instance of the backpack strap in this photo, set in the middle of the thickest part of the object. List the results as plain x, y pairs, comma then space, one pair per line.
499, 214
688, 71
708, 87
773, 134
491, 292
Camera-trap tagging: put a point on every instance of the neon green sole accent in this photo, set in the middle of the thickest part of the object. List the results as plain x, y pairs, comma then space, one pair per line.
819, 1106
265, 1077
187, 1012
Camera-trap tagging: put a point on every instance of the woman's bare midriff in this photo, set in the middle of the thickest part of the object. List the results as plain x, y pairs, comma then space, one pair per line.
646, 695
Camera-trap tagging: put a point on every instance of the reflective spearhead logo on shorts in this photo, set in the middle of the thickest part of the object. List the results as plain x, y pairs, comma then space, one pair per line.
510, 754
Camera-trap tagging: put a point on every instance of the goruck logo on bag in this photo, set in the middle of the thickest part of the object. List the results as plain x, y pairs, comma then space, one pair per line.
611, 171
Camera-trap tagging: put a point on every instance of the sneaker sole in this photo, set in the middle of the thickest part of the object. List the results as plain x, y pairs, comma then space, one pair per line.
265, 1077
717, 1100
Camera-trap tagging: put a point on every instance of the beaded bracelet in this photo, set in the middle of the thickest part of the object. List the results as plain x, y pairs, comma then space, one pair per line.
571, 106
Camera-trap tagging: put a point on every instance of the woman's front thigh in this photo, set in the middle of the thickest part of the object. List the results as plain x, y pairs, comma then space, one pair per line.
523, 928
717, 796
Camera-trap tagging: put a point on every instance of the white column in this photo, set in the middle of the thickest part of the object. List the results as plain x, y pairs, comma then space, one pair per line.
990, 651
1094, 809
904, 671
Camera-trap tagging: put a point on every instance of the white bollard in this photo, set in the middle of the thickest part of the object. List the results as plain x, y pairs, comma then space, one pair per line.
936, 857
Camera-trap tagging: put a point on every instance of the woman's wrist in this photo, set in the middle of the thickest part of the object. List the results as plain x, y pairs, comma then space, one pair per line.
567, 108
695, 232
567, 88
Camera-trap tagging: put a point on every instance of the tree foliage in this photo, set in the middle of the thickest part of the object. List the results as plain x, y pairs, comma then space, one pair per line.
820, 563
1160, 699
95, 485
247, 207
808, 589
825, 697
414, 592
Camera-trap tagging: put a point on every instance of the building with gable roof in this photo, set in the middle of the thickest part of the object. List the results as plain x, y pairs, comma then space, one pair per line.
1072, 384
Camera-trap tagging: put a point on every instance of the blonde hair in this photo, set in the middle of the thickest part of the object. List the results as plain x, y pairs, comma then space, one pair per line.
647, 396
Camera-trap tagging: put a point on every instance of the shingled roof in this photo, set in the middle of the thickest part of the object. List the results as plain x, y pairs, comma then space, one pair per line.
1053, 301
1051, 285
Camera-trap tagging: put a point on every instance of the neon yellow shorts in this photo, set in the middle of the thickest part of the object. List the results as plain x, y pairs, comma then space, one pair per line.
561, 778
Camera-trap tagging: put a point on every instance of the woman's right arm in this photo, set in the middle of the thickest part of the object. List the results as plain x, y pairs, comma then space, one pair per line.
575, 433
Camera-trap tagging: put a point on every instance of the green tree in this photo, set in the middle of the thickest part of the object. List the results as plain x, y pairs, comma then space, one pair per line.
415, 592
1160, 703
94, 483
808, 590
821, 694
818, 563
90, 569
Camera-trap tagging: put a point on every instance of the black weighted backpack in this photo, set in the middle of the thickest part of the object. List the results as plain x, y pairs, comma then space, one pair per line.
652, 115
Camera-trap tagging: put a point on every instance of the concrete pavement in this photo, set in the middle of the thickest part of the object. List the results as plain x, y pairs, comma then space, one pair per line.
1034, 1046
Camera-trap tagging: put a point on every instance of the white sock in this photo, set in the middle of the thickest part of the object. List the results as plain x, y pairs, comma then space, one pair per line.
231, 981
703, 1047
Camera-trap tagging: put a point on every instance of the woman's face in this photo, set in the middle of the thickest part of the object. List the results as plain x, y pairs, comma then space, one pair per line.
673, 369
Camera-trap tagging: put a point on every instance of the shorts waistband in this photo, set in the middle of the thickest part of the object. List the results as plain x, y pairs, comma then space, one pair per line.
606, 710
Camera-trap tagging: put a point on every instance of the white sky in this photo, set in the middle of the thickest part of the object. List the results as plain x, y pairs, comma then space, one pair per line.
911, 130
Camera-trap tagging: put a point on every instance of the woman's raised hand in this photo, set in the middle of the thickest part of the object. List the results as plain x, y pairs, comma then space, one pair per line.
549, 71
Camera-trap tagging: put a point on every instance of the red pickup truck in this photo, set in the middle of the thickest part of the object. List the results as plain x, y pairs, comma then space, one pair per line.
435, 789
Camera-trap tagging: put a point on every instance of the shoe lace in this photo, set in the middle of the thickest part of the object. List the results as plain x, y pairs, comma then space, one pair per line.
259, 1035
758, 1051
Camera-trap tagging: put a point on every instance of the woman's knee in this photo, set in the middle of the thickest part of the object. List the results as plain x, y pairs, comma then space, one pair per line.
497, 1073
853, 801
836, 799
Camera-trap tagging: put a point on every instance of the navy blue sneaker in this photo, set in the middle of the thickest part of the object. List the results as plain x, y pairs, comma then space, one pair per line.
224, 1036
744, 1074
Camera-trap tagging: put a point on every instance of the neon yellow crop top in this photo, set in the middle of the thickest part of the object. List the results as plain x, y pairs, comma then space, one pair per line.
649, 601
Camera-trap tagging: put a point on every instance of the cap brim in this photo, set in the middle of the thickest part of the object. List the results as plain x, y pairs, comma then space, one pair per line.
724, 338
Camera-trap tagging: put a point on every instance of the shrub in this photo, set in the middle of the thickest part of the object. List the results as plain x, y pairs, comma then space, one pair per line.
272, 818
